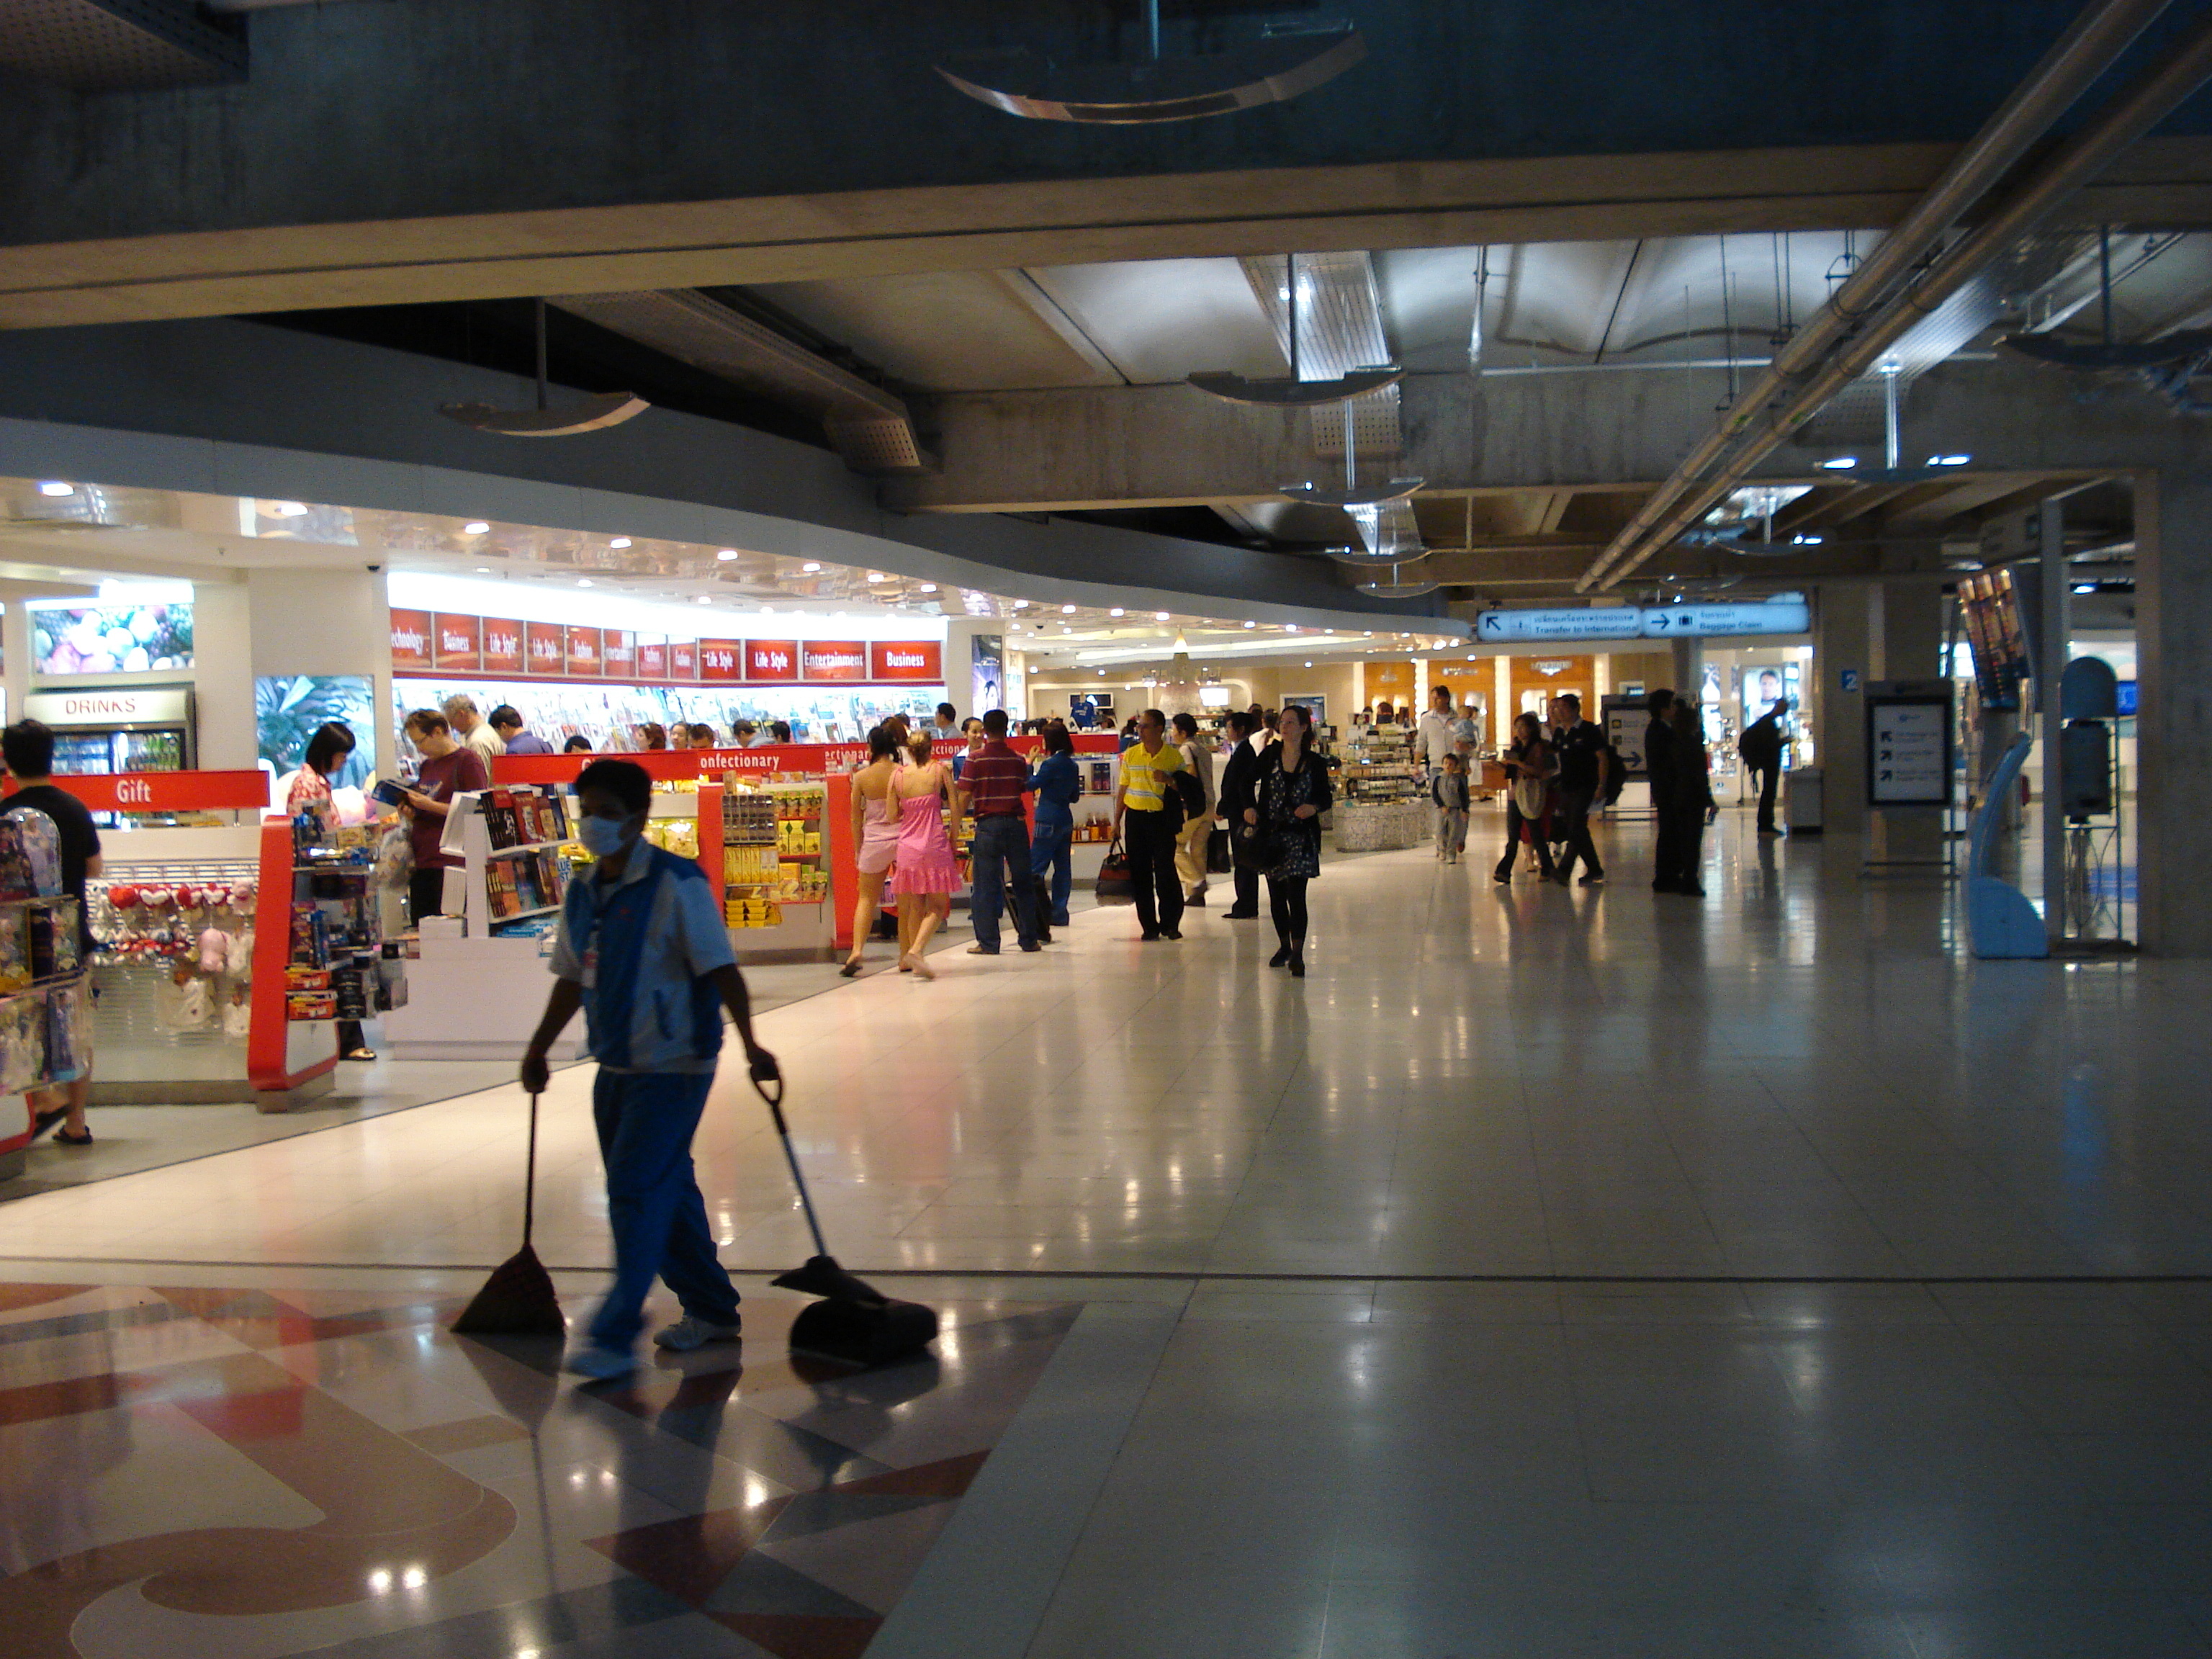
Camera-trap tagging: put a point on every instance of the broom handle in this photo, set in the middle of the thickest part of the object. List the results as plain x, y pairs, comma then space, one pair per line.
783, 1134
530, 1176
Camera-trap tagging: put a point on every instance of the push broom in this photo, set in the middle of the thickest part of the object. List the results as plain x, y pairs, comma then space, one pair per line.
518, 1299
853, 1323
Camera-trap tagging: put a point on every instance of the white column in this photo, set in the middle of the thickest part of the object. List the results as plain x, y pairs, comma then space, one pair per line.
333, 623
2173, 667
223, 670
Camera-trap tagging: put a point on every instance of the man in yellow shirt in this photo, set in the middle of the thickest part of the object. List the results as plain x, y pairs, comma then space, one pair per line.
1147, 816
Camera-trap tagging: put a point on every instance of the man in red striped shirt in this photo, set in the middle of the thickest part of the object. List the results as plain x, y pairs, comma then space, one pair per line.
993, 781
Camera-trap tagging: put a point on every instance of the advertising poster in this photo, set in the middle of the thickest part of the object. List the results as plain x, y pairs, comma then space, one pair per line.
288, 708
988, 665
110, 638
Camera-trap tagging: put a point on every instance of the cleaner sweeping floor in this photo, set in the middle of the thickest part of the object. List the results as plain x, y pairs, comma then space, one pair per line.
643, 950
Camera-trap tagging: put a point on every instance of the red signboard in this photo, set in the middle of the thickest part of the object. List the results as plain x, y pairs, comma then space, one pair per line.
545, 647
832, 660
652, 657
803, 759
771, 660
618, 654
410, 640
502, 646
583, 646
683, 659
245, 791
720, 659
915, 661
459, 644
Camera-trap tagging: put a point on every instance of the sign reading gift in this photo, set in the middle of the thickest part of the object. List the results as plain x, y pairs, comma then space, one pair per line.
461, 643
771, 660
546, 646
502, 646
410, 640
721, 659
833, 660
915, 661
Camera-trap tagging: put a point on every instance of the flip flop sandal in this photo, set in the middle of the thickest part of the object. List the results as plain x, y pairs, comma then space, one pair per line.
66, 1138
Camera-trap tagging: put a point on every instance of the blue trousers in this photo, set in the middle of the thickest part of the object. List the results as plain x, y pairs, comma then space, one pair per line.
1048, 850
645, 1121
999, 865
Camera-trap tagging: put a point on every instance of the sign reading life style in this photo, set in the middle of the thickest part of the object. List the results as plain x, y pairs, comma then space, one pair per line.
1646, 622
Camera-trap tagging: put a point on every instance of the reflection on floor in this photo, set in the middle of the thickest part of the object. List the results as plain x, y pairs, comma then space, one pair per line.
1554, 1273
225, 1471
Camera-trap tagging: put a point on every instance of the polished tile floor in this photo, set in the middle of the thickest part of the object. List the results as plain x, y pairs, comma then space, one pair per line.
1553, 1272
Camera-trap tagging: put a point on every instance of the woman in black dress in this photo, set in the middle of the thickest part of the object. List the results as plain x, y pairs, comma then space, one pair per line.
1290, 789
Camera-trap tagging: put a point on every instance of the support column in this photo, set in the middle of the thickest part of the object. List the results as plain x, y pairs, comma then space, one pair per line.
1907, 621
2173, 658
1842, 648
222, 658
334, 623
15, 659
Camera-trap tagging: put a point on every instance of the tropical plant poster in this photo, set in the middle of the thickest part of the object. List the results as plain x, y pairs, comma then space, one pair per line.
288, 708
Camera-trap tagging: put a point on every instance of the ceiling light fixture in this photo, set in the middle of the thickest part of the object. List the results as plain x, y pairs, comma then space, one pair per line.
1949, 460
725, 554
619, 542
929, 588
55, 487
1067, 611
603, 410
1117, 611
1251, 624
483, 570
1160, 615
705, 598
810, 566
583, 581
475, 527
287, 509
1839, 463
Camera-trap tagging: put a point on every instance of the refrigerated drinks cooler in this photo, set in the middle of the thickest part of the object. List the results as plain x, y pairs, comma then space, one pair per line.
140, 729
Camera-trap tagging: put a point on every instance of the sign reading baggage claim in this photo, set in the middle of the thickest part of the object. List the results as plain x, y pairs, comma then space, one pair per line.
424, 642
1789, 614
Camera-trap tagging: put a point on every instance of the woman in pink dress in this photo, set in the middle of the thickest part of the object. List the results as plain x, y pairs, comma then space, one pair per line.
923, 793
875, 833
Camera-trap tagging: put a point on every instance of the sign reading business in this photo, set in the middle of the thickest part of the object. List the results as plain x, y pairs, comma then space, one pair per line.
1551, 624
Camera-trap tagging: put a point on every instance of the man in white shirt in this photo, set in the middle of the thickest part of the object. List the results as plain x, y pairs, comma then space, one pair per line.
1437, 736
472, 729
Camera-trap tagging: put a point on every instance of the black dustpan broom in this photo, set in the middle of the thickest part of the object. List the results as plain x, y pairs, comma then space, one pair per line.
853, 1323
518, 1299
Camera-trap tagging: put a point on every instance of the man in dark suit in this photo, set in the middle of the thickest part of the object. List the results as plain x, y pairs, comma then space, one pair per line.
1236, 794
1659, 767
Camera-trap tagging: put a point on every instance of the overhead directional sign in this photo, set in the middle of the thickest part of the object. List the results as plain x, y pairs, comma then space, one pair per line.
1646, 622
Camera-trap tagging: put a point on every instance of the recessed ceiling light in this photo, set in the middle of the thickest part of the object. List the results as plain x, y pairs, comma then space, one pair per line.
1839, 463
929, 588
287, 509
1949, 460
1117, 611
875, 576
55, 487
768, 610
1160, 615
725, 554
1251, 624
1067, 611
619, 541
1021, 604
1309, 664
483, 570
475, 527
811, 565
583, 581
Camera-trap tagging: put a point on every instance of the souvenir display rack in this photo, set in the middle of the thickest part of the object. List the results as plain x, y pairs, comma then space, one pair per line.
174, 940
42, 1001
1380, 805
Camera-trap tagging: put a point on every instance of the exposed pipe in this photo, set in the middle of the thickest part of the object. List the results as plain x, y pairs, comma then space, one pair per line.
2148, 99
2084, 52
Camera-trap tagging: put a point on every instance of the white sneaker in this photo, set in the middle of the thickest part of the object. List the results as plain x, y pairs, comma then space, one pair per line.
688, 1333
600, 1365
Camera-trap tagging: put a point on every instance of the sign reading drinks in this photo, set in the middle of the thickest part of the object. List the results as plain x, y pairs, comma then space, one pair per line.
1645, 622
450, 643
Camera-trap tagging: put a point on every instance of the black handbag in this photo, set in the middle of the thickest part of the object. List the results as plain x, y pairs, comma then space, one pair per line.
1115, 884
1216, 851
1256, 849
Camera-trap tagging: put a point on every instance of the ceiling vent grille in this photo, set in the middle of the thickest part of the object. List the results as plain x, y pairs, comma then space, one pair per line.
117, 45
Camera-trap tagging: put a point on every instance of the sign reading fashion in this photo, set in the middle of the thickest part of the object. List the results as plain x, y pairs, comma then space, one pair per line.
1645, 622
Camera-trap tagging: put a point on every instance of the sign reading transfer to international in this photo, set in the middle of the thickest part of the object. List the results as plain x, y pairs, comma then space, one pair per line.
1645, 622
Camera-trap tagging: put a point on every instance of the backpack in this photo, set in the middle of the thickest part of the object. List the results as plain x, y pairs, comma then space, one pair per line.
1616, 773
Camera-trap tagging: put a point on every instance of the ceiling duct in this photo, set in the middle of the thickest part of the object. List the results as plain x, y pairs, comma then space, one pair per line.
1340, 331
117, 45
869, 426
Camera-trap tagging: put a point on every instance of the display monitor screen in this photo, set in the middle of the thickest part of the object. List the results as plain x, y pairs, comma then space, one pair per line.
112, 639
1989, 608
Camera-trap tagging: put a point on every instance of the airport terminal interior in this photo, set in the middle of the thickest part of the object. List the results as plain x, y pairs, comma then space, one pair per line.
1559, 1015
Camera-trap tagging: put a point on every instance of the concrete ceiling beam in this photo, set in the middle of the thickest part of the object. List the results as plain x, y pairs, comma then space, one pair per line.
622, 246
